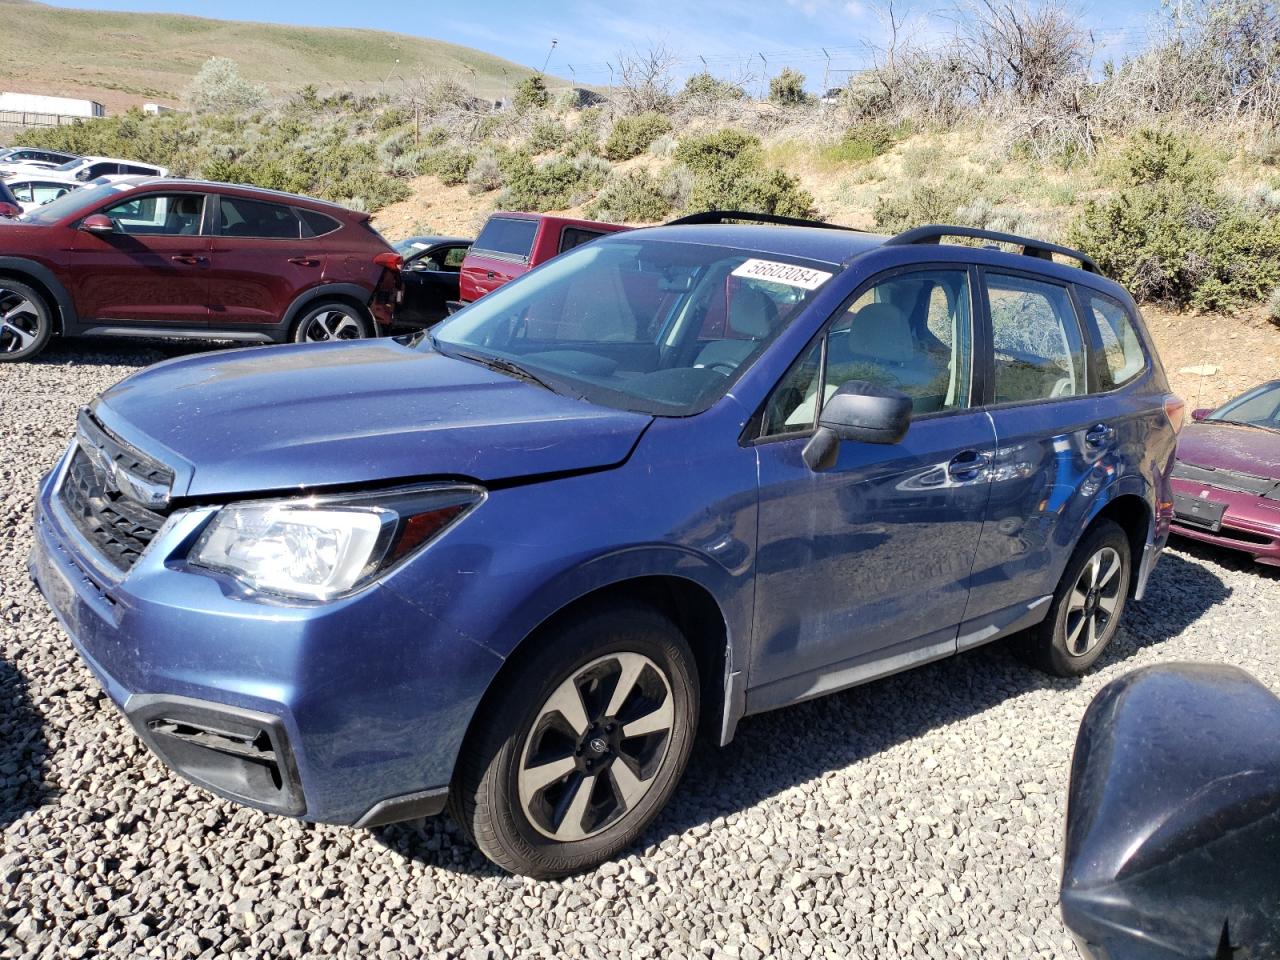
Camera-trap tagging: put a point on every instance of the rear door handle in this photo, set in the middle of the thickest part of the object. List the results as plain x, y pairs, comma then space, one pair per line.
189, 258
305, 261
1099, 435
967, 465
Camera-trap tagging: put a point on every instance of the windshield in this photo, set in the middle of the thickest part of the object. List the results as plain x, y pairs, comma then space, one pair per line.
73, 202
646, 325
407, 248
1259, 407
71, 164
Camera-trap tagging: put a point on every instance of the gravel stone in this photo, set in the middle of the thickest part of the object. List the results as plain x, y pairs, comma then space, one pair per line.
920, 816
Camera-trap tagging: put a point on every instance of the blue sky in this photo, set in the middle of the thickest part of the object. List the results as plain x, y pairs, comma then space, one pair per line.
590, 33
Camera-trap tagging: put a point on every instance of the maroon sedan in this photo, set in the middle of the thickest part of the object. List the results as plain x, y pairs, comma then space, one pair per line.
1226, 482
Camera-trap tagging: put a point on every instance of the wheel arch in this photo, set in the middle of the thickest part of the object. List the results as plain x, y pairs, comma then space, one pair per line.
690, 605
349, 293
47, 284
1126, 506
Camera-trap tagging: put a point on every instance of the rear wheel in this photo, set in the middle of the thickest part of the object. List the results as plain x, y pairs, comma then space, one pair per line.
331, 320
26, 322
584, 747
1087, 605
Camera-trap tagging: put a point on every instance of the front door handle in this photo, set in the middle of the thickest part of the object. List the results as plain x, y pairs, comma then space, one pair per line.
1099, 435
968, 465
305, 261
189, 258
489, 275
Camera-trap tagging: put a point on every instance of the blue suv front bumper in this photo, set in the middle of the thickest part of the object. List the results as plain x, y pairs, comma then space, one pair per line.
345, 712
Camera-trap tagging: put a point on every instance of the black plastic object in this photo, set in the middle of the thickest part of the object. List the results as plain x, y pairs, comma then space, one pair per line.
859, 411
1040, 249
1173, 819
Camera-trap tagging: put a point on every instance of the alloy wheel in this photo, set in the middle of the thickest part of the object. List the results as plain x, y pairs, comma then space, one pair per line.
596, 746
1092, 604
332, 325
19, 321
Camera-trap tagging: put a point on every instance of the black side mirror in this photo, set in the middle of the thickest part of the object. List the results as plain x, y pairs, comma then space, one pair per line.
1173, 818
857, 411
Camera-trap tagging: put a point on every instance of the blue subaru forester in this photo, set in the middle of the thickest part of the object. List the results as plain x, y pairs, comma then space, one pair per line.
673, 477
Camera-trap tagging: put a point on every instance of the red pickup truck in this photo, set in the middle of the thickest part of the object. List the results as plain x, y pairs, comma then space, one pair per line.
514, 243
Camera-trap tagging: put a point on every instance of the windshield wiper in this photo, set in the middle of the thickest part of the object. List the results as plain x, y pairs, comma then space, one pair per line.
501, 365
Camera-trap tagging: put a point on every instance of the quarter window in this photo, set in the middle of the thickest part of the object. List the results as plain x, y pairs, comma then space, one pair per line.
1119, 356
253, 218
1038, 352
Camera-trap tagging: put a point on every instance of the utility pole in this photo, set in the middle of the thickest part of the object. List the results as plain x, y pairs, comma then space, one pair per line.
387, 78
764, 81
826, 71
554, 41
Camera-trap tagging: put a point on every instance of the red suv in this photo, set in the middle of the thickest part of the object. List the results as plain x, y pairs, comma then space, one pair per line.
512, 244
186, 258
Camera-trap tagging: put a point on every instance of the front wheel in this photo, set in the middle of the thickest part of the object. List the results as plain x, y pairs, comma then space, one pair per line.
1087, 605
332, 320
26, 322
584, 747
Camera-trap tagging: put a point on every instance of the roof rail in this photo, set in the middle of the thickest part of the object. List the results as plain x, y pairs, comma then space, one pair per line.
725, 216
934, 232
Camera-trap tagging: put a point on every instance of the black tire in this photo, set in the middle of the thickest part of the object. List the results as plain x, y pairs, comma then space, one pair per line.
26, 321
1073, 636
521, 832
329, 320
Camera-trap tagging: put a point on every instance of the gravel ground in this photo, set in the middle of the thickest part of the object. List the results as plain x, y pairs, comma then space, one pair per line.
918, 816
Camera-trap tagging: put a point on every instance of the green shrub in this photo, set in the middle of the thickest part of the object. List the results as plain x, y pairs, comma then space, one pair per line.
391, 118
747, 186
787, 88
219, 88
1181, 243
548, 134
450, 164
1158, 156
554, 184
925, 203
862, 142
531, 93
631, 136
710, 151
586, 135
485, 174
434, 137
703, 86
634, 196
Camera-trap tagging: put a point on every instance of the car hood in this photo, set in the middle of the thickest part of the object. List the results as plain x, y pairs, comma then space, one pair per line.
335, 415
1226, 446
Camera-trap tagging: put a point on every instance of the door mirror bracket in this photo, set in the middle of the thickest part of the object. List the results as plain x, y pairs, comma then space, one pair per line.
860, 411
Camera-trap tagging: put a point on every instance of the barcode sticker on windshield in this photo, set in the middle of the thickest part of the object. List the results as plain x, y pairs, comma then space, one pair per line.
788, 273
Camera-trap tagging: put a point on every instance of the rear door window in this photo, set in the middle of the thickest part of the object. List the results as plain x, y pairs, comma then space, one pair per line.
507, 237
1117, 350
253, 218
1036, 338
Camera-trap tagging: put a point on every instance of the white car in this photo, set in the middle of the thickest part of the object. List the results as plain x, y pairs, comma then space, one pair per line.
83, 169
33, 190
19, 160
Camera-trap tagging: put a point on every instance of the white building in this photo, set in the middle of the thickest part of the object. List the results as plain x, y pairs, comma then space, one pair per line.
155, 109
52, 106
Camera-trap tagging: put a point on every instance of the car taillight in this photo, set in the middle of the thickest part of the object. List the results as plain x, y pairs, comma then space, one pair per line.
1175, 408
392, 261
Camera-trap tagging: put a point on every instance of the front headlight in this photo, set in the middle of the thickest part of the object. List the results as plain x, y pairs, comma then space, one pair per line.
322, 548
